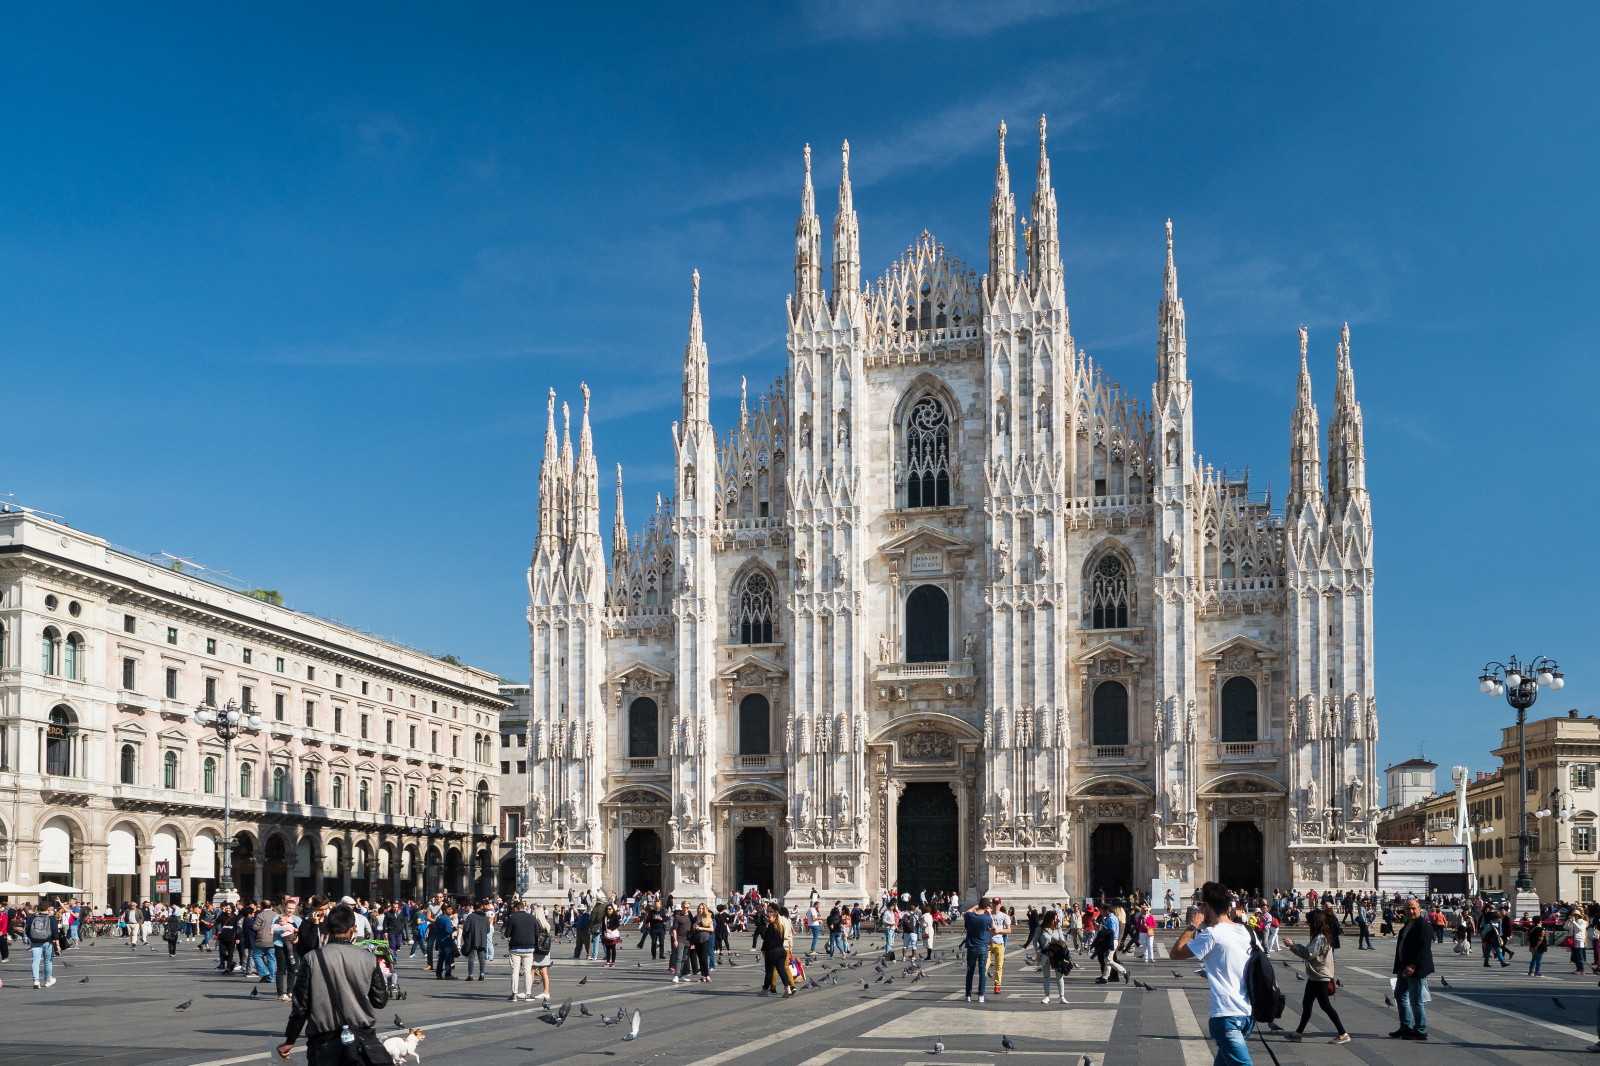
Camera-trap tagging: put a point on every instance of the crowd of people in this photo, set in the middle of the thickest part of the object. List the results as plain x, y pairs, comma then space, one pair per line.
272, 940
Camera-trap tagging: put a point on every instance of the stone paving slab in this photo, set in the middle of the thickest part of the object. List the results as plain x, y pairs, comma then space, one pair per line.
124, 1016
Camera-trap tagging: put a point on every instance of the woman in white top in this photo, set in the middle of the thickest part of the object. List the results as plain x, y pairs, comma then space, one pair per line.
925, 926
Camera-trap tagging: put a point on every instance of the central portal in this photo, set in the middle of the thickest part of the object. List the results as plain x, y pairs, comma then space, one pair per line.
928, 822
752, 859
641, 862
1110, 861
1239, 855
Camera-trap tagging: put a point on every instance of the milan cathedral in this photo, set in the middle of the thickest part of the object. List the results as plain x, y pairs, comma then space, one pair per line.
948, 609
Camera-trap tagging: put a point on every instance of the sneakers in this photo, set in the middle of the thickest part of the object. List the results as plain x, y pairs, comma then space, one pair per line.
1293, 1038
1594, 1048
1045, 1001
968, 999
36, 984
1402, 1033
997, 990
50, 982
1342, 1038
676, 979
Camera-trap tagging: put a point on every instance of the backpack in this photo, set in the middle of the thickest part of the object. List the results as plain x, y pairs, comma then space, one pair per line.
908, 924
39, 928
1261, 985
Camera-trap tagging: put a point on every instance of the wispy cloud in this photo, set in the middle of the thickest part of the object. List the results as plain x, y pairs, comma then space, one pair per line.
874, 19
1070, 95
396, 355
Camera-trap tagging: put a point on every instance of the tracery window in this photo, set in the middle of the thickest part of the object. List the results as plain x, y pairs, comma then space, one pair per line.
1239, 710
752, 619
928, 455
1108, 595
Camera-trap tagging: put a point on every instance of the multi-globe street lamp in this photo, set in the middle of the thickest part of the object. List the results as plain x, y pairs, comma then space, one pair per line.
1520, 683
227, 722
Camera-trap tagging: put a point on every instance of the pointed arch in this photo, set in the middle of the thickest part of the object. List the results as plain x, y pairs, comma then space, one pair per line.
752, 605
927, 431
1110, 587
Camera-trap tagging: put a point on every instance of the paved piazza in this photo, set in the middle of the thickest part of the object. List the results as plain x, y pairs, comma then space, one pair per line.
125, 1016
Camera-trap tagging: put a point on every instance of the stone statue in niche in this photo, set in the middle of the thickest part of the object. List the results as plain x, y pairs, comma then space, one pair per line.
1174, 550
1002, 559
883, 647
1003, 800
969, 644
800, 569
1041, 555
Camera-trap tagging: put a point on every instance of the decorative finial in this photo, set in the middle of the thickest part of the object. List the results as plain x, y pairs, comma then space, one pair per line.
1169, 236
1002, 137
1302, 347
1041, 135
808, 163
697, 286
846, 156
583, 386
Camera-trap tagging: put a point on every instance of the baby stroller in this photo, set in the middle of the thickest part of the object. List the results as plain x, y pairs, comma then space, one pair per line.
391, 981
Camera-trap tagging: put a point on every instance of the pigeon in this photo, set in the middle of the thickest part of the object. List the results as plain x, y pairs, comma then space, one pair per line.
1299, 977
1275, 1027
865, 986
889, 982
398, 1024
185, 1005
640, 965
584, 981
1559, 1005
566, 1009
606, 1020
732, 963
879, 980
583, 1009
1442, 981
1178, 975
1387, 1002
254, 990
634, 1032
938, 1046
1005, 1042
86, 981
622, 1015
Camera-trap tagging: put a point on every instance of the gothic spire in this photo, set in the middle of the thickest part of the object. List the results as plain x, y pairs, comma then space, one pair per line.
1044, 240
696, 387
619, 528
846, 240
807, 247
549, 477
1347, 463
1172, 346
586, 487
1305, 448
1002, 228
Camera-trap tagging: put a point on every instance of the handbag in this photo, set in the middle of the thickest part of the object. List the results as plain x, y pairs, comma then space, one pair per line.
367, 1048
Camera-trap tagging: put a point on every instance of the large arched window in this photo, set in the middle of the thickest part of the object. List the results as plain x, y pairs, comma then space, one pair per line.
280, 784
1110, 714
927, 436
752, 611
362, 792
1108, 594
72, 663
50, 652
127, 765
338, 790
927, 625
481, 814
246, 780
208, 775
411, 801
1239, 711
644, 722
58, 743
169, 769
755, 725
308, 792
388, 799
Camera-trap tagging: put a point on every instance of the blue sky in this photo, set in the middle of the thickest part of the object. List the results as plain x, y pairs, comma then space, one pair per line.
282, 286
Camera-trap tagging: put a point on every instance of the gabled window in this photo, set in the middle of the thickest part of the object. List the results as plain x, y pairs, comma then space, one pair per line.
752, 618
927, 435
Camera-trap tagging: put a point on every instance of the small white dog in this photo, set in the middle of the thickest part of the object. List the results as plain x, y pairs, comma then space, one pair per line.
401, 1048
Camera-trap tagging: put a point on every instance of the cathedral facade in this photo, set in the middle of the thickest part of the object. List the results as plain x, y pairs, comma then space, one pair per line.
947, 609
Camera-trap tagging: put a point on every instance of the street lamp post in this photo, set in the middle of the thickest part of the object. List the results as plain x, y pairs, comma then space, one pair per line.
227, 723
1519, 683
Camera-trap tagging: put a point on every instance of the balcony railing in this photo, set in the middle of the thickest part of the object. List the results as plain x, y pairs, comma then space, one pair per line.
754, 762
642, 766
904, 671
1110, 751
1239, 749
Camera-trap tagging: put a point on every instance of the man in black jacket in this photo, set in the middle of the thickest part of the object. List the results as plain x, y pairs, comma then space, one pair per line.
339, 984
1413, 962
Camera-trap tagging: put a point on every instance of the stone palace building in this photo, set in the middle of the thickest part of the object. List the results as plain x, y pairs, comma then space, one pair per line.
949, 609
373, 772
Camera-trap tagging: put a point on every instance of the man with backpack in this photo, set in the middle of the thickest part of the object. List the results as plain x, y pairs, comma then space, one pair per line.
906, 925
1226, 949
41, 929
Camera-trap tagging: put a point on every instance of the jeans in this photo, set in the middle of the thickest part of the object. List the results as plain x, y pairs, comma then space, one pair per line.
816, 934
1577, 959
836, 942
1493, 949
1316, 995
266, 962
1536, 964
1365, 940
977, 957
478, 956
285, 963
1048, 971
42, 956
1408, 994
1232, 1035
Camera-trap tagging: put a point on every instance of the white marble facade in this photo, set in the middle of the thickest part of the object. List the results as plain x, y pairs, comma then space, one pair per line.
948, 608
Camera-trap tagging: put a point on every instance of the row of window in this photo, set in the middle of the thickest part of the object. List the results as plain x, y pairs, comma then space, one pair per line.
1109, 717
280, 787
644, 727
522, 768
